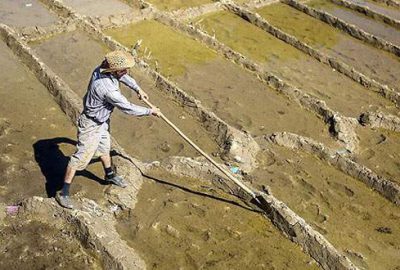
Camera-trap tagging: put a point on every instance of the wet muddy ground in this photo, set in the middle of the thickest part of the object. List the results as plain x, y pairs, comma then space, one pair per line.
99, 7
191, 223
35, 145
375, 27
339, 92
233, 94
31, 244
328, 200
379, 65
22, 13
147, 137
382, 8
182, 223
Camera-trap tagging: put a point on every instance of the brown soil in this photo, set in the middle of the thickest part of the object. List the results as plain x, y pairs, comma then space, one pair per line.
328, 200
36, 245
36, 139
180, 223
25, 13
147, 137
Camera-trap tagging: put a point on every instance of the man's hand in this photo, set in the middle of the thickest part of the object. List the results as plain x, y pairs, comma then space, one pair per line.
142, 95
155, 111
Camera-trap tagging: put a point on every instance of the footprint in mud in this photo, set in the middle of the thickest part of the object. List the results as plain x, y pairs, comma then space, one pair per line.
4, 127
341, 188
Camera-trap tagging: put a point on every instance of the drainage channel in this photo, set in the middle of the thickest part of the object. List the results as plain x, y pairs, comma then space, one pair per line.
365, 23
338, 91
223, 87
379, 65
36, 140
359, 222
180, 223
147, 138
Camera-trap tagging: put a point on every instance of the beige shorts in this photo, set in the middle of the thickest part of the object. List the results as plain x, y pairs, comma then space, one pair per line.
93, 141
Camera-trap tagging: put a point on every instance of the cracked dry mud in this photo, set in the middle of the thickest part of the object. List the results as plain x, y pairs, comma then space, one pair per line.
166, 219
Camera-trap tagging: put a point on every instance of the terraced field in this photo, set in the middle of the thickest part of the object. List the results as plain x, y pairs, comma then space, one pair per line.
301, 103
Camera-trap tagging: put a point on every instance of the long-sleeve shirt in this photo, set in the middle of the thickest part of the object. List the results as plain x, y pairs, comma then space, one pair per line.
103, 95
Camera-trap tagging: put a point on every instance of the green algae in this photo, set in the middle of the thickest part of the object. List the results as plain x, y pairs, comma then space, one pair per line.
246, 38
178, 4
317, 4
304, 27
172, 51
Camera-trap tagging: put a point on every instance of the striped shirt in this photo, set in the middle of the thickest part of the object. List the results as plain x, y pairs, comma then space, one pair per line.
103, 95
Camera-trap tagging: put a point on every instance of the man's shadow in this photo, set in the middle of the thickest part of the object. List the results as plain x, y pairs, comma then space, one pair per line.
53, 163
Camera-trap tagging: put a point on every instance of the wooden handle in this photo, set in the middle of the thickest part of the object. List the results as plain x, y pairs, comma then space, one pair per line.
223, 170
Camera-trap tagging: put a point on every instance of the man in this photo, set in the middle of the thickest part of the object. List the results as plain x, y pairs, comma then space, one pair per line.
102, 96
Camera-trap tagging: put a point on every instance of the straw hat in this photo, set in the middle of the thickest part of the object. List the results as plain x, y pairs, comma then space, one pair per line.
118, 60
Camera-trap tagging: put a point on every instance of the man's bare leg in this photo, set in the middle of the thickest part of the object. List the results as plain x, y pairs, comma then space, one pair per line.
69, 175
106, 160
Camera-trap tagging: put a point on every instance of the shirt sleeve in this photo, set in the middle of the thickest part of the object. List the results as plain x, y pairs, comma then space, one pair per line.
130, 82
118, 100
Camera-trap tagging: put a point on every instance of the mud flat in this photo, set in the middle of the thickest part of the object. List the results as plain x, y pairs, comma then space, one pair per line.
22, 13
339, 92
233, 94
365, 23
36, 139
357, 221
379, 65
168, 5
181, 223
380, 151
148, 138
32, 244
379, 7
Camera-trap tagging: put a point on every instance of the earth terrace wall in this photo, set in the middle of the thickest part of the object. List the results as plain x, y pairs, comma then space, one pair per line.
71, 104
34, 33
386, 188
341, 127
392, 3
184, 14
258, 3
380, 120
95, 229
232, 141
336, 64
368, 12
345, 27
